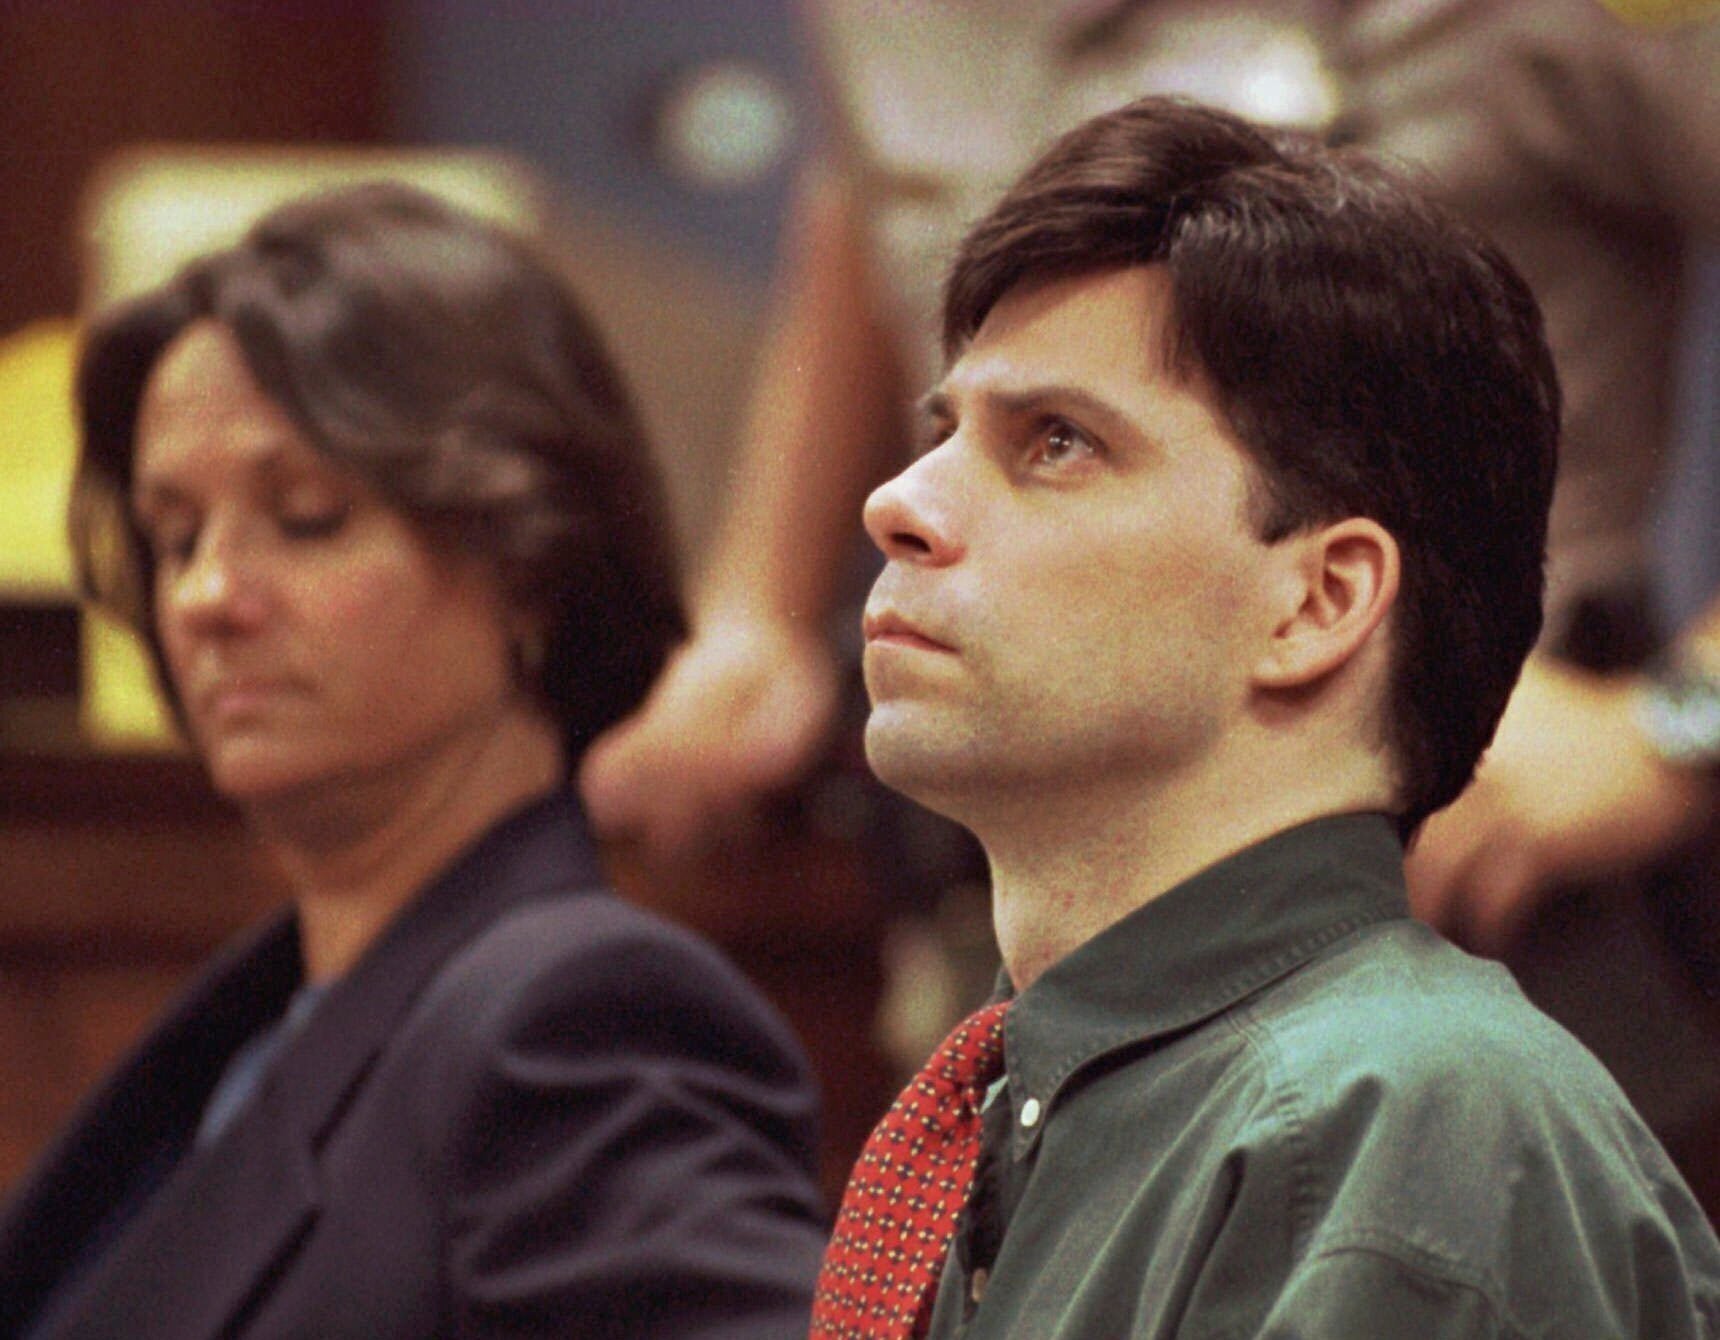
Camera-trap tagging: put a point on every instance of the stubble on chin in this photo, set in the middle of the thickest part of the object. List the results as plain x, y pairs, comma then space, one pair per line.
933, 764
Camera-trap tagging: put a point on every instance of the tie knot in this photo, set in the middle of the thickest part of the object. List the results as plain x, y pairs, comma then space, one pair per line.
972, 1055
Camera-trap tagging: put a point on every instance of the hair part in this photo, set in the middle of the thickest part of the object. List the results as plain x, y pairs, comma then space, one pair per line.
1374, 355
447, 364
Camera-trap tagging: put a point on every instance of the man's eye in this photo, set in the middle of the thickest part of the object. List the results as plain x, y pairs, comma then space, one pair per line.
932, 435
1060, 442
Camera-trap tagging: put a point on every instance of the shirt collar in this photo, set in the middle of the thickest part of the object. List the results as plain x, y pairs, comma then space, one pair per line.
1201, 947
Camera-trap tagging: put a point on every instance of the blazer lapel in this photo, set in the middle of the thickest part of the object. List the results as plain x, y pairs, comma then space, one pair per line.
141, 1114
211, 1239
230, 1216
536, 851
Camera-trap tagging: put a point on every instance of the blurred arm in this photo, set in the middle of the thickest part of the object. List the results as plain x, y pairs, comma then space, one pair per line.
1570, 790
745, 704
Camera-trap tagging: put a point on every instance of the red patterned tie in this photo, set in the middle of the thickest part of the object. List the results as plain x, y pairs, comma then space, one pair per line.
906, 1192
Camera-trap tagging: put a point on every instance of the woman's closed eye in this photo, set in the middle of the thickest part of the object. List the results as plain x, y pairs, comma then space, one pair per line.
312, 509
172, 539
314, 523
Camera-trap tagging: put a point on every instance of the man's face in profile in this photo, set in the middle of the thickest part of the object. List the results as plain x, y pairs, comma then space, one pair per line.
1074, 595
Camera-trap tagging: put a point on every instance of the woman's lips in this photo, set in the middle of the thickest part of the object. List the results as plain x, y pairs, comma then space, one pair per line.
234, 698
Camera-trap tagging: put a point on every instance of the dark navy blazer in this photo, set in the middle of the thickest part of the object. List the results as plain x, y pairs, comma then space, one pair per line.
530, 1110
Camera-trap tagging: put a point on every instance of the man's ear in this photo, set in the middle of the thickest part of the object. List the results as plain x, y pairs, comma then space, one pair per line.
1340, 581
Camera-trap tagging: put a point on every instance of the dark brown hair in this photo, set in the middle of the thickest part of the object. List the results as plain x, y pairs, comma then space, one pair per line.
445, 362
1375, 356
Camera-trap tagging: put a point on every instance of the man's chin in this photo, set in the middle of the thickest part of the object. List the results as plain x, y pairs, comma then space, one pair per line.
930, 772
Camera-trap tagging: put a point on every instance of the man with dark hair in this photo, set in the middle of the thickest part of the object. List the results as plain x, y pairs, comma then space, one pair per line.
1211, 586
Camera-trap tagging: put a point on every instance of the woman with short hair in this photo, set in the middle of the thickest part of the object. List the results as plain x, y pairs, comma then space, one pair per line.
377, 500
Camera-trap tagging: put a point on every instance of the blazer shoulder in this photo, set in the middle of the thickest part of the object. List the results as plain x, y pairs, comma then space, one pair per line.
604, 1094
587, 970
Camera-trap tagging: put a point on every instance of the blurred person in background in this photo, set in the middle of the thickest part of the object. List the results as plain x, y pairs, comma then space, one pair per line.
1586, 145
375, 496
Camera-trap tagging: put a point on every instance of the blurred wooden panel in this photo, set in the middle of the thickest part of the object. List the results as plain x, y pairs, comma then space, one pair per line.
117, 877
61, 1026
86, 77
115, 858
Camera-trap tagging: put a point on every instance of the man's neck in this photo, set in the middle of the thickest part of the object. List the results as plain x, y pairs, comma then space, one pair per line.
1062, 873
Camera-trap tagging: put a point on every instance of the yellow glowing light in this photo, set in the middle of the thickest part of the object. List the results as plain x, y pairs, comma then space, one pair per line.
37, 447
118, 705
121, 708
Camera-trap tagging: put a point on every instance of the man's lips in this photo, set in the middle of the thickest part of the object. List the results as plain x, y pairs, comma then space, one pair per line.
887, 626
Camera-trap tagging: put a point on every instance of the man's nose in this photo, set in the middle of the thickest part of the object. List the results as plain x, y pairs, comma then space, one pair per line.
913, 517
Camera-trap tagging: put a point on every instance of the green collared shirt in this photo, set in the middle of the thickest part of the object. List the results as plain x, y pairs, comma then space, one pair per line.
1268, 1103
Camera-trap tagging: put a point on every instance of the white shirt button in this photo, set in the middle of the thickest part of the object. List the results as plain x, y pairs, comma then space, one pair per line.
1030, 1112
976, 1286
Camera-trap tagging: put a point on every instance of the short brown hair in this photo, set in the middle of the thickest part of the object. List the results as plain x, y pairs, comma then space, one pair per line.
1375, 356
448, 364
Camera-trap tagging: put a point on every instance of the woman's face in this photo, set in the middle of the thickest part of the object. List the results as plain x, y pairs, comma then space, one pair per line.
312, 636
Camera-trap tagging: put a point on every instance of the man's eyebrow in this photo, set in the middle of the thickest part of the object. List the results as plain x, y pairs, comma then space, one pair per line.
937, 404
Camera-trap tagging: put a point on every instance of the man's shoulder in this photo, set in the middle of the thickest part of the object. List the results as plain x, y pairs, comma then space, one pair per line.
1435, 1116
1400, 1037
1391, 1034
1388, 1135
1398, 1004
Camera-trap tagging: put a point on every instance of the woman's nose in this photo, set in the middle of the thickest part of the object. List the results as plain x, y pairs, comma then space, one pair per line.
217, 587
912, 518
